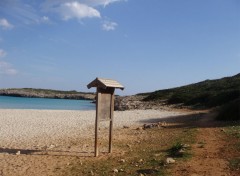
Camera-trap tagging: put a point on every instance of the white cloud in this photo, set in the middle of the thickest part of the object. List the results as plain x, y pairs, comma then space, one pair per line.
80, 9
7, 69
75, 9
2, 53
100, 2
48, 4
109, 26
5, 24
39, 12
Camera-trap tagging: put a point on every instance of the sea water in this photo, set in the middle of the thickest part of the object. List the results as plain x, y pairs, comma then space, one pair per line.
7, 102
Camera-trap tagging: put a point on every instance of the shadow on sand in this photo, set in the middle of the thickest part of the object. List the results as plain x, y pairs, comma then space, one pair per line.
201, 120
45, 152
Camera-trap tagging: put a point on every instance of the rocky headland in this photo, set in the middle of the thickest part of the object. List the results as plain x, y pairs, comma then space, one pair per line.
46, 93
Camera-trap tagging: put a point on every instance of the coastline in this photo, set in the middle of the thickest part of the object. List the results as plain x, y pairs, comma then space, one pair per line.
36, 129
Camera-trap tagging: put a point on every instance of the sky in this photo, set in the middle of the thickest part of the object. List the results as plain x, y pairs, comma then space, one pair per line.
146, 45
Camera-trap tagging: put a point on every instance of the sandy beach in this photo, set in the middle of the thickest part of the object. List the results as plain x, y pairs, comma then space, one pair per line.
36, 129
36, 142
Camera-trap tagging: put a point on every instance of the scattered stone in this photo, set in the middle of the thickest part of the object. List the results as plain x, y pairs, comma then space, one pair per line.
18, 153
146, 126
186, 146
180, 152
91, 172
141, 174
51, 146
140, 161
157, 154
122, 160
162, 124
121, 170
155, 125
170, 161
115, 170
125, 126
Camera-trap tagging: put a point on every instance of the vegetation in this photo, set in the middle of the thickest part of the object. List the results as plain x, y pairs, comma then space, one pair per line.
48, 91
230, 111
206, 94
143, 155
234, 132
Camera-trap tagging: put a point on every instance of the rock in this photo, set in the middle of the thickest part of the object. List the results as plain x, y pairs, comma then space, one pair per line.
170, 161
51, 146
157, 154
43, 93
122, 160
180, 152
140, 161
146, 126
162, 124
121, 170
125, 126
154, 125
91, 172
115, 170
186, 146
18, 153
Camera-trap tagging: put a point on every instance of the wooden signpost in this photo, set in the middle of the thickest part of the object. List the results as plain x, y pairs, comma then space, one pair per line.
104, 106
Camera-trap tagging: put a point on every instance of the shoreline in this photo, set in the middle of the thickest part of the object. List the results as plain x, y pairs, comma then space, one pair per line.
36, 129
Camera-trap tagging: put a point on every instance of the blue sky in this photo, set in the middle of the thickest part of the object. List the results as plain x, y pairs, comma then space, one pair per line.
146, 45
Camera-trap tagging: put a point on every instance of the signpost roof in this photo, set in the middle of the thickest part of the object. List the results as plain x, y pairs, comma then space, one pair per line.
104, 83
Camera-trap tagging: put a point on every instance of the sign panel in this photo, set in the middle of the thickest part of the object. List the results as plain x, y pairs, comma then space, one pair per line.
104, 112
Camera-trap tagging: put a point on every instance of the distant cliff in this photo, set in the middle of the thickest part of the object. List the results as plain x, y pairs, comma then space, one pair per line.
47, 93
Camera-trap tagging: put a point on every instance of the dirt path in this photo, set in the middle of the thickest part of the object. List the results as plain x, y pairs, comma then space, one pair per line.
209, 156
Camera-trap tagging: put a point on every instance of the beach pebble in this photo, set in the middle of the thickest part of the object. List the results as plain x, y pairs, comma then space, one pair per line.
170, 161
43, 129
122, 160
115, 170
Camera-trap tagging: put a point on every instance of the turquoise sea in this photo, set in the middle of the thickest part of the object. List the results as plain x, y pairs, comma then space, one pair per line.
7, 102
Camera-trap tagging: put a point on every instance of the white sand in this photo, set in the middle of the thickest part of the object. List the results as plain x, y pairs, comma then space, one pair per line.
31, 128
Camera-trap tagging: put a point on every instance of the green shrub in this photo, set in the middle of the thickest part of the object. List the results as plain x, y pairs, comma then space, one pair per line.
230, 111
205, 94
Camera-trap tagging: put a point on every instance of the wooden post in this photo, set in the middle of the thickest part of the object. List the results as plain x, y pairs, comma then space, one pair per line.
111, 122
104, 106
96, 124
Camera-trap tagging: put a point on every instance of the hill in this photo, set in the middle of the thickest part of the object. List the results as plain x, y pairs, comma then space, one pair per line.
205, 94
47, 93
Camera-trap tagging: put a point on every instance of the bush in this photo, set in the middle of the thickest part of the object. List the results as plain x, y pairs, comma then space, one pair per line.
230, 111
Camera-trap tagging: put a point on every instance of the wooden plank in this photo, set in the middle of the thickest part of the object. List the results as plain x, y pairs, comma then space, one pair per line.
111, 123
105, 107
96, 124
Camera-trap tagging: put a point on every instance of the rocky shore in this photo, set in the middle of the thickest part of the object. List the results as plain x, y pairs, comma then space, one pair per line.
135, 102
44, 93
122, 103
